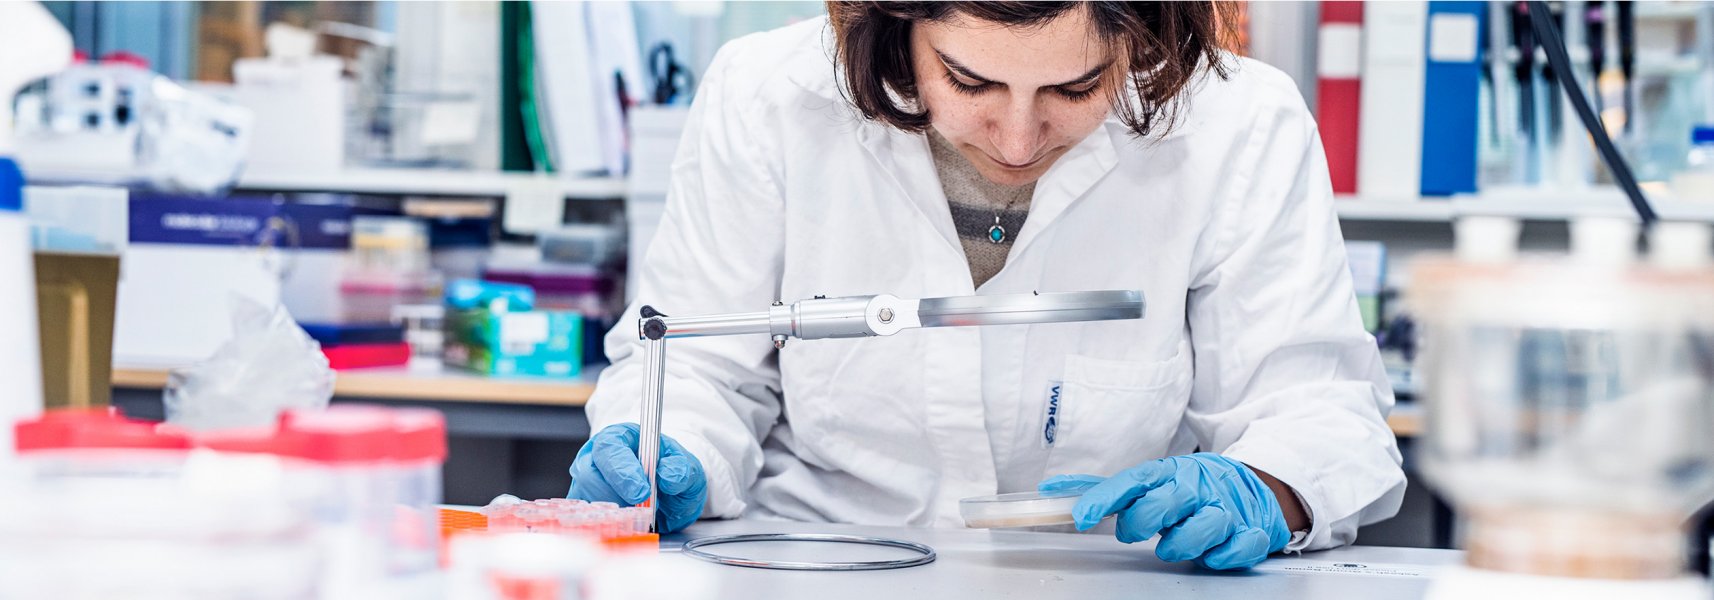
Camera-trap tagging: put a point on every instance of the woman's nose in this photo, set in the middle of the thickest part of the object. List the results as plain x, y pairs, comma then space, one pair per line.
1017, 132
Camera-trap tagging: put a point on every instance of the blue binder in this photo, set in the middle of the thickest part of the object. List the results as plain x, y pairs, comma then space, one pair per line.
1451, 93
344, 334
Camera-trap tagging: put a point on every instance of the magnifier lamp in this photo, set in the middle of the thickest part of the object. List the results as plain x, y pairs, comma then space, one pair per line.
852, 317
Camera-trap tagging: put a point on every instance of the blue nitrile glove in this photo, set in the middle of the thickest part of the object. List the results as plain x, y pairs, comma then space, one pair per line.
607, 470
1207, 508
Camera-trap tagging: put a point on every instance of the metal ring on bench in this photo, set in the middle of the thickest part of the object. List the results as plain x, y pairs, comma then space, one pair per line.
693, 548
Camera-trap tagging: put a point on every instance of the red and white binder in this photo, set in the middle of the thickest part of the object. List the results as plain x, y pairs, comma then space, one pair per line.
1339, 61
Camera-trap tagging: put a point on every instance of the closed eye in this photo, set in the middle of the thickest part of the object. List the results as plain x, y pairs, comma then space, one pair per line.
1077, 93
967, 82
967, 88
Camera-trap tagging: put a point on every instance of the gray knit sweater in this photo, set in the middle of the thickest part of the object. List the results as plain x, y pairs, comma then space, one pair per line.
975, 202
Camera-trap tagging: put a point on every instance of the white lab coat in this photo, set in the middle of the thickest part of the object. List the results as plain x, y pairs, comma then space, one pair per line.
1252, 345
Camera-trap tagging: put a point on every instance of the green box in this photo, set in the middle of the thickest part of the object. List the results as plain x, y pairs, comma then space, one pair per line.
544, 343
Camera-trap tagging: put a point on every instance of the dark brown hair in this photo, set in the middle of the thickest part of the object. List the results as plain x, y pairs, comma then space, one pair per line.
1162, 46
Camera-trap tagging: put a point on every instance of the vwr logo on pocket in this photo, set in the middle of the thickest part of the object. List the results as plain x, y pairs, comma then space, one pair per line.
1050, 416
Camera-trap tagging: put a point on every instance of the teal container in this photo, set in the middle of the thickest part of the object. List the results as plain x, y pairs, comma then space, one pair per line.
540, 343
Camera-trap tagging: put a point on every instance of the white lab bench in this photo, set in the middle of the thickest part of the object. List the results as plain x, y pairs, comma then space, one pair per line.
976, 563
517, 435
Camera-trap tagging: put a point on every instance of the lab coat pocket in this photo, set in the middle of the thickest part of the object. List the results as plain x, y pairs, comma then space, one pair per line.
1114, 414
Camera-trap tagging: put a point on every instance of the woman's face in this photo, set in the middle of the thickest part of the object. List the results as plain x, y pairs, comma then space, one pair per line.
1012, 100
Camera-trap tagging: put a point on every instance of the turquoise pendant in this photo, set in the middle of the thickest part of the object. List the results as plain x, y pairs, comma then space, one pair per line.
996, 234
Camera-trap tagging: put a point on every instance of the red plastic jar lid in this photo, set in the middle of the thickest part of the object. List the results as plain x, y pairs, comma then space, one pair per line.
252, 440
121, 57
422, 434
92, 428
347, 433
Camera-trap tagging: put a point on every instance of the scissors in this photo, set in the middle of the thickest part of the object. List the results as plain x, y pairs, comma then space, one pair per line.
671, 77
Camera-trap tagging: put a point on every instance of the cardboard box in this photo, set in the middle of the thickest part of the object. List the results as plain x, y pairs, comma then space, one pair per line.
188, 256
537, 343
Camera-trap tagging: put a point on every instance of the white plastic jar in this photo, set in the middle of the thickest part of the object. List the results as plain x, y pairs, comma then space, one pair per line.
354, 446
417, 459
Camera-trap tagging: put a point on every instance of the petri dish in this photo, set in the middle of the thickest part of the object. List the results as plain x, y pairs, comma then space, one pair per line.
1020, 509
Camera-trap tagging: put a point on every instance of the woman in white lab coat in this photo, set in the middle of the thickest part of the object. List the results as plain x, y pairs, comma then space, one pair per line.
1116, 146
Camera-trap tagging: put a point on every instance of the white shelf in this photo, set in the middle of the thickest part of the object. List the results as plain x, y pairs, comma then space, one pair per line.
1357, 208
403, 182
429, 182
1530, 204
1536, 204
1675, 10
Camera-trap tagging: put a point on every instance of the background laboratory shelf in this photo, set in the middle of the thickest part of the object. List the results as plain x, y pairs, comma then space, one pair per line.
1523, 204
431, 182
382, 181
1671, 10
399, 382
1537, 204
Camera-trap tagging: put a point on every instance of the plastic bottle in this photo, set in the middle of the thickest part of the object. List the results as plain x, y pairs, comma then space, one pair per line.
1604, 241
1486, 239
1696, 181
36, 45
1681, 245
20, 355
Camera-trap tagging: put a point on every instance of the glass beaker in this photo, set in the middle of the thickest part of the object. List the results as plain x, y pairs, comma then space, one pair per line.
1570, 411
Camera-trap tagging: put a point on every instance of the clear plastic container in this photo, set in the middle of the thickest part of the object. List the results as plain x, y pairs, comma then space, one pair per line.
357, 486
419, 130
156, 523
1570, 410
1020, 509
373, 298
1696, 181
425, 331
604, 521
508, 566
354, 446
388, 267
389, 244
381, 479
418, 457
78, 218
583, 244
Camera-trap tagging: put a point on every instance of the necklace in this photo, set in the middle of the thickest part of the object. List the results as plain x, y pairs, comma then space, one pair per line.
948, 163
997, 233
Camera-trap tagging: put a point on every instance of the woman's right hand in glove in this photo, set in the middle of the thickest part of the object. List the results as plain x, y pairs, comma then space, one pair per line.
607, 470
